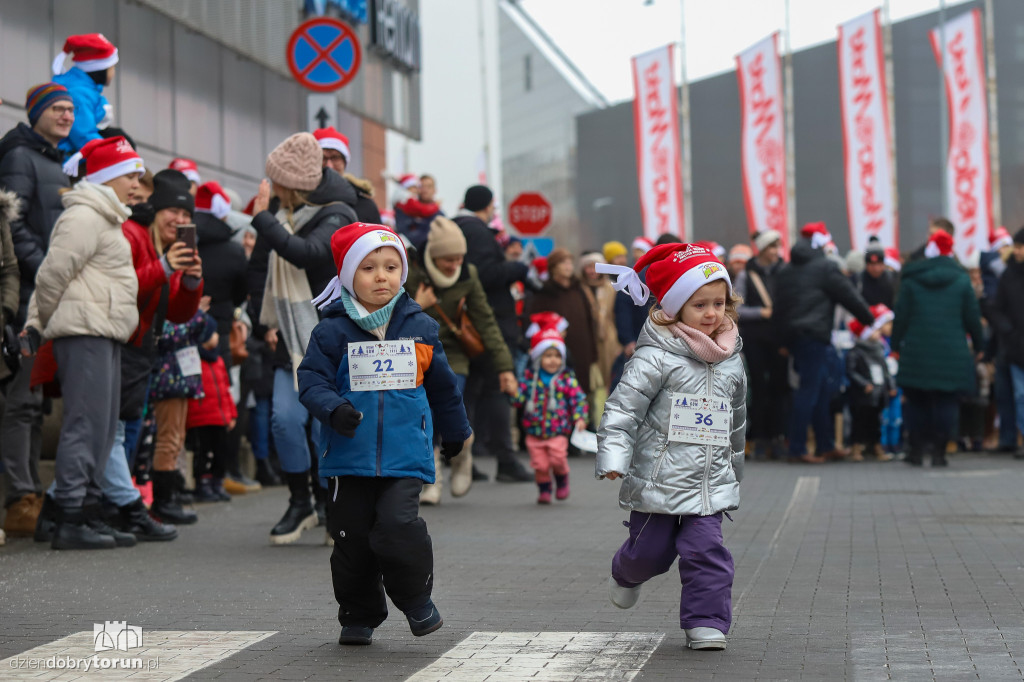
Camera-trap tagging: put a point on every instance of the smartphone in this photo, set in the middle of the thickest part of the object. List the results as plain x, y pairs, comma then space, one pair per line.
187, 235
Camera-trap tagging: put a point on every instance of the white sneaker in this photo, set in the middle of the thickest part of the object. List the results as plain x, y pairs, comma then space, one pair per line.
623, 597
705, 638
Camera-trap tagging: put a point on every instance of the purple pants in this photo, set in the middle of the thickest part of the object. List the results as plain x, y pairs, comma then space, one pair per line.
705, 565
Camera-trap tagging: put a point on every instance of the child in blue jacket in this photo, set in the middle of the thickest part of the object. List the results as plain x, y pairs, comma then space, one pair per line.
373, 372
94, 59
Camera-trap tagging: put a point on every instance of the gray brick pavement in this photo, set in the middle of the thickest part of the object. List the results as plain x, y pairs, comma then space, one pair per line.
886, 572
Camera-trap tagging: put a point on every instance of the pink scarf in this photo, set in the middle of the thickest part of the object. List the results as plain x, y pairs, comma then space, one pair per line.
707, 349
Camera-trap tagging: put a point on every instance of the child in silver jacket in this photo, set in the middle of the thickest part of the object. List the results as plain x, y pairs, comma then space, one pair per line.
673, 430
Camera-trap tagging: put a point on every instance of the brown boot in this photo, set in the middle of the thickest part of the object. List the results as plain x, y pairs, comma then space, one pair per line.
880, 454
857, 453
22, 516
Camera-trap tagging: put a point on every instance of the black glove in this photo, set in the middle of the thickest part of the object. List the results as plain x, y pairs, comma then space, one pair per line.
345, 419
450, 450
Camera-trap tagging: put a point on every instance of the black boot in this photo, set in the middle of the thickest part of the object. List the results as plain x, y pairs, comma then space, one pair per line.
513, 472
94, 518
74, 532
320, 503
204, 490
166, 503
265, 474
300, 514
182, 494
136, 520
46, 524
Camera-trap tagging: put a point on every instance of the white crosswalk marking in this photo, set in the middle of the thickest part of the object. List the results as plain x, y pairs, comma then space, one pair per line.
164, 656
554, 656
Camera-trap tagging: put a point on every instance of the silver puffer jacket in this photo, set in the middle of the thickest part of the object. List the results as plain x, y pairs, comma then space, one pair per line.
666, 477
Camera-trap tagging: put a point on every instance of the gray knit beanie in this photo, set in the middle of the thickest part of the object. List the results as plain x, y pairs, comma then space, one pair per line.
297, 163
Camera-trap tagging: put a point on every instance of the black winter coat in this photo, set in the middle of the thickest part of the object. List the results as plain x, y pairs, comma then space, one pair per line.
1007, 312
760, 330
862, 357
31, 168
225, 274
365, 207
309, 249
877, 290
806, 294
496, 273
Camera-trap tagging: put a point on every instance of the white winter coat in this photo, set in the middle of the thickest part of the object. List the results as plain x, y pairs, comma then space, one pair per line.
665, 477
86, 285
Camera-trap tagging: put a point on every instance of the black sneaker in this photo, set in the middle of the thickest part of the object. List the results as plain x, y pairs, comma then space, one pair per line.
479, 475
424, 620
46, 524
356, 635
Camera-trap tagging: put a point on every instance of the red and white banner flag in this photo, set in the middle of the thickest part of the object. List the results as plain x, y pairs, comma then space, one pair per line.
763, 137
866, 134
656, 134
968, 173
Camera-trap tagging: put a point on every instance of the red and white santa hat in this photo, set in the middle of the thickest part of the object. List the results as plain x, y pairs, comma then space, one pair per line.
409, 180
186, 167
544, 339
882, 314
998, 238
817, 233
89, 52
109, 158
546, 320
713, 247
939, 244
329, 138
892, 259
642, 243
211, 198
350, 245
674, 273
540, 264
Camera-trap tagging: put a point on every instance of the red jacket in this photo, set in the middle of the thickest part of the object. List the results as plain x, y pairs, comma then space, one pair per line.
216, 408
415, 208
182, 302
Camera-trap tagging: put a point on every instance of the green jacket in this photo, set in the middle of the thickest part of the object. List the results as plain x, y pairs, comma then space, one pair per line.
468, 287
936, 310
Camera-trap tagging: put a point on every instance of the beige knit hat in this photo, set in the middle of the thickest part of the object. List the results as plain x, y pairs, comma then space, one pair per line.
297, 163
445, 239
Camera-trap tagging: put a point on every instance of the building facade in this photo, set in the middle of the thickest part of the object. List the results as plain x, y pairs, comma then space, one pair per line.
208, 80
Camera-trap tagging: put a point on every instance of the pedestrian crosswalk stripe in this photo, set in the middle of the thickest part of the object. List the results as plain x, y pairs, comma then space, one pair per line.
164, 656
554, 656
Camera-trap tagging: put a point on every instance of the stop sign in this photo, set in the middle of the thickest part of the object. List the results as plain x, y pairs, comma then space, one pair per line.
529, 213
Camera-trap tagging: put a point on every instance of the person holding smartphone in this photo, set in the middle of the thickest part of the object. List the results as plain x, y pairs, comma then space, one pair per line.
174, 236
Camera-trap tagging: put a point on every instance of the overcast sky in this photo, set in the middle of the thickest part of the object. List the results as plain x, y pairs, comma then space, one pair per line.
601, 35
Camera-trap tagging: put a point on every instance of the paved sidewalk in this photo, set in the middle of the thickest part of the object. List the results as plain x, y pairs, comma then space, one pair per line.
843, 571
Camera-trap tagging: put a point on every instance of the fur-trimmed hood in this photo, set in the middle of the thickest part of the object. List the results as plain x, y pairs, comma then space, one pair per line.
9, 206
361, 184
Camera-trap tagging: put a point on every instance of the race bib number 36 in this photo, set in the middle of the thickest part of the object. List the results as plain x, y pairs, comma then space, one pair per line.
700, 420
382, 365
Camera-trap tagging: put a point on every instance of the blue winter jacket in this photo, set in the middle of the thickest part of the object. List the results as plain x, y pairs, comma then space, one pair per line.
90, 108
395, 437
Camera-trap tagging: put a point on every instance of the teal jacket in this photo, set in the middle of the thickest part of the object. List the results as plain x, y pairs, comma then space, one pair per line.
936, 310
